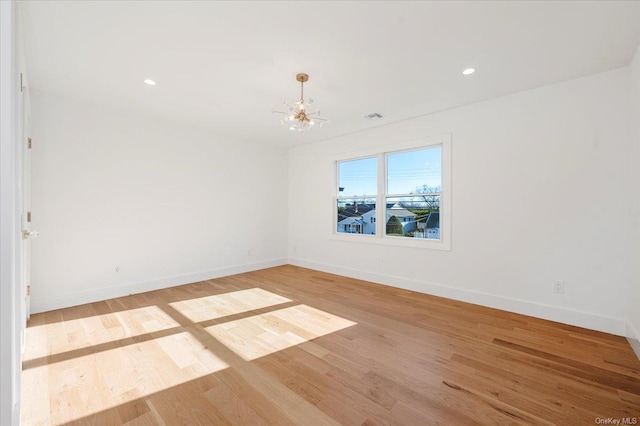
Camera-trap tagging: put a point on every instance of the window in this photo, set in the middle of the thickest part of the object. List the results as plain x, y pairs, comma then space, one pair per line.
398, 196
357, 194
413, 183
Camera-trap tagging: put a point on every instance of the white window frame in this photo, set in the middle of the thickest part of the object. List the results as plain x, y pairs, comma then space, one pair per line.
444, 243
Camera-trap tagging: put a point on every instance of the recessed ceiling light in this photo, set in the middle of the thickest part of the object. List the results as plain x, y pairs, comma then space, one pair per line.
150, 82
469, 71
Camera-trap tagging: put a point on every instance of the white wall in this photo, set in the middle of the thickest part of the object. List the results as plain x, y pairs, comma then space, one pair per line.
633, 299
165, 204
540, 187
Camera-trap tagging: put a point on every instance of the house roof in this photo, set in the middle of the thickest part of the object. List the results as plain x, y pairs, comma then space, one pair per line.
362, 208
433, 221
400, 213
350, 220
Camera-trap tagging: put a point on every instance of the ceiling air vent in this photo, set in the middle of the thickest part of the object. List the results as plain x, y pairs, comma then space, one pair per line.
373, 116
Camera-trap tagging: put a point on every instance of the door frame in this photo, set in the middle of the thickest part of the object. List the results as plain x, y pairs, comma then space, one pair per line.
11, 311
24, 184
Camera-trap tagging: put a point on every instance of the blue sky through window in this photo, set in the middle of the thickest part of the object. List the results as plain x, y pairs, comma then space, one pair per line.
358, 177
406, 171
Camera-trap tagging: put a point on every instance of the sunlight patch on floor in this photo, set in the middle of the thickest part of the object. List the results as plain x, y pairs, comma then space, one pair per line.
264, 334
65, 336
222, 305
109, 378
76, 368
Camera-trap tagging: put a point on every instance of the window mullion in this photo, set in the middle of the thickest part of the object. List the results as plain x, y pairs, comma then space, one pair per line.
381, 198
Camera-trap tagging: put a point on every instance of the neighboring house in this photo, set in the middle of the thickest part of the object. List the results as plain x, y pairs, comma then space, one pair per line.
351, 225
356, 219
431, 227
407, 218
369, 221
361, 219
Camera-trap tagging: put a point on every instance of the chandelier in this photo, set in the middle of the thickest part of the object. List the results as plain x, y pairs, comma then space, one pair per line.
298, 117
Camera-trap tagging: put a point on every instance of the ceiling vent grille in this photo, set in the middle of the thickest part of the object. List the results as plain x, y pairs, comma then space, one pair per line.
373, 116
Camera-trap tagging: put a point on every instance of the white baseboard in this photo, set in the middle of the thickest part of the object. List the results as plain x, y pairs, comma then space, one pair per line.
104, 293
591, 321
633, 336
553, 313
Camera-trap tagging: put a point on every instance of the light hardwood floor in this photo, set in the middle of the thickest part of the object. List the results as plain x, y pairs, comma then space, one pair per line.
289, 345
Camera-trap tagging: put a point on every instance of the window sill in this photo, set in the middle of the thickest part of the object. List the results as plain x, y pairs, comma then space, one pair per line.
421, 243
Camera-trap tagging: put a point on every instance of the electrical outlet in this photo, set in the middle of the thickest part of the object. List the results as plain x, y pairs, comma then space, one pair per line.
379, 260
117, 268
558, 286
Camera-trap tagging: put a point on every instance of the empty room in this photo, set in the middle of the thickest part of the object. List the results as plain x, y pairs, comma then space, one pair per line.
319, 212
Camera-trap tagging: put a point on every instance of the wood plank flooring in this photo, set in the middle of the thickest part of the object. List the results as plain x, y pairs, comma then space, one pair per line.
292, 346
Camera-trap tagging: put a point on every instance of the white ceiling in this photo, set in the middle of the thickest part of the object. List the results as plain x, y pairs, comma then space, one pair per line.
224, 66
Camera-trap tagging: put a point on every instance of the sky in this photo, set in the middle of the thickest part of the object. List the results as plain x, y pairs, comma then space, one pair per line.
407, 171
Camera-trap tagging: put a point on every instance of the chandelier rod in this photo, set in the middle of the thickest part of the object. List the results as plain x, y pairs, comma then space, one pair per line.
302, 78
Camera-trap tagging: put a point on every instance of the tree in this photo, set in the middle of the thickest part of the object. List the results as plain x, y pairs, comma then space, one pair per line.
394, 226
430, 197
